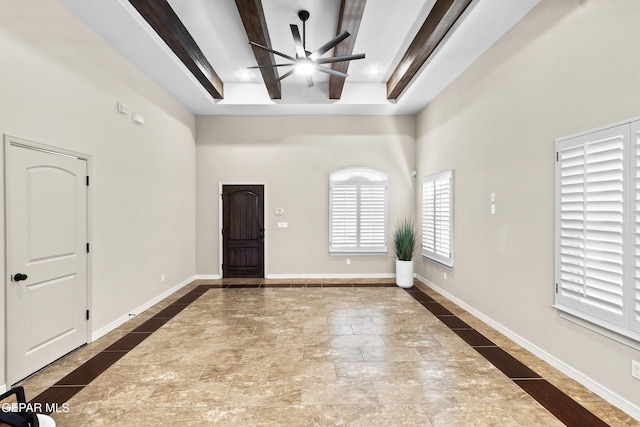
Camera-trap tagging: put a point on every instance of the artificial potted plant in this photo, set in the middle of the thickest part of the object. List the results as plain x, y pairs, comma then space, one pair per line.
405, 241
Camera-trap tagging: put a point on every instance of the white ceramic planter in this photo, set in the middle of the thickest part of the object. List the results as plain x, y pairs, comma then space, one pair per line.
404, 273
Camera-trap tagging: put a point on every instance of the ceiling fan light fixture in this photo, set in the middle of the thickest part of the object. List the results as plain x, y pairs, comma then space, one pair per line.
305, 62
304, 67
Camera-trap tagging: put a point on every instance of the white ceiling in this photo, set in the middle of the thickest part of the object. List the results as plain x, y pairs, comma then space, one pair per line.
386, 30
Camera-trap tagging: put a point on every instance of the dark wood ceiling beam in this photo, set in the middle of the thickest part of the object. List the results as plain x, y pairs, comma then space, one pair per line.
441, 19
255, 26
165, 22
349, 20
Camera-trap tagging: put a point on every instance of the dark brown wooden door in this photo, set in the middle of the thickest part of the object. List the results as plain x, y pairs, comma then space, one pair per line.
243, 231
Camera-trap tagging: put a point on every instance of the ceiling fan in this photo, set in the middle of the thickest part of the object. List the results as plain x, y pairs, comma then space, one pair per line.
305, 62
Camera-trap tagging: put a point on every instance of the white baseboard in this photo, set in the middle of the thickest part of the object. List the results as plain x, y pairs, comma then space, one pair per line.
123, 319
608, 395
332, 276
310, 276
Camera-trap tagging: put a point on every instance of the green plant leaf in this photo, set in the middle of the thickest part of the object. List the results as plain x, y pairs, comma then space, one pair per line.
405, 239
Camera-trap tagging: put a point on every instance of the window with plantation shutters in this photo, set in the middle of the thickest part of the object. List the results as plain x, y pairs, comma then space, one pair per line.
357, 211
598, 228
437, 218
634, 291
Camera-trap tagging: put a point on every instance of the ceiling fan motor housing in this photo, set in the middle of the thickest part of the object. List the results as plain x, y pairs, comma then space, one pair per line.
303, 15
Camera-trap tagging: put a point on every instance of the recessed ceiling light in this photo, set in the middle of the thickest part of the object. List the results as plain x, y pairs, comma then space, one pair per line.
245, 75
374, 71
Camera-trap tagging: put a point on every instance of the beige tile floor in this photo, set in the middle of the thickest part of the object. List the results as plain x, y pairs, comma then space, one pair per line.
307, 356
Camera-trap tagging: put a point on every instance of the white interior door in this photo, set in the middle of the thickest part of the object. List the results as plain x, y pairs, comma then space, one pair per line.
46, 258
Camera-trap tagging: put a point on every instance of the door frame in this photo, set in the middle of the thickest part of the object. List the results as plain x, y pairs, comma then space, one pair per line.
220, 213
24, 143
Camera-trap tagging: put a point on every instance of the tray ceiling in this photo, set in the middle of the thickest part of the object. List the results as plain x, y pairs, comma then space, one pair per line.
198, 50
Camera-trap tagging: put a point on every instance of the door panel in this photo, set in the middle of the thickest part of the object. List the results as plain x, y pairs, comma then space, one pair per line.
58, 293
243, 230
52, 191
47, 236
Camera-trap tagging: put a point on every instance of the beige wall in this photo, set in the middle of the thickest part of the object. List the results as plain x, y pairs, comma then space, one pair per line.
59, 85
293, 157
569, 66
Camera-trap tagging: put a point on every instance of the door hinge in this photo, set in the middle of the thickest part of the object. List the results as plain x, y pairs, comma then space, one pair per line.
557, 156
87, 180
87, 314
556, 288
88, 248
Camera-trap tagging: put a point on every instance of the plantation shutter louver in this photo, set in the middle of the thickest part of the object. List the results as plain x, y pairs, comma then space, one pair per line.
635, 291
372, 218
437, 218
591, 225
345, 215
358, 211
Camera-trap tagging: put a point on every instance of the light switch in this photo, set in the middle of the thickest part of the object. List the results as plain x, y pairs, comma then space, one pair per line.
137, 118
122, 108
283, 225
493, 209
493, 197
279, 211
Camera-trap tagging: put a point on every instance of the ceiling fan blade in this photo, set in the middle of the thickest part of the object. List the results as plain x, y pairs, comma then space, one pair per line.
309, 81
272, 66
340, 58
297, 41
328, 46
287, 74
331, 71
275, 52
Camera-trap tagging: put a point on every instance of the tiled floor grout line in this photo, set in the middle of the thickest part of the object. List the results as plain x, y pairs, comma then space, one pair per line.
562, 406
554, 400
62, 391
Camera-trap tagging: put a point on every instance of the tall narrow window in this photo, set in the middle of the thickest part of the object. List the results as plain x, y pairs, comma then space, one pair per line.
437, 218
597, 207
357, 211
591, 223
598, 228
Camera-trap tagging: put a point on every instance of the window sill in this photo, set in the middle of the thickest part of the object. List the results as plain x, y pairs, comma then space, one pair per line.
606, 329
446, 264
352, 252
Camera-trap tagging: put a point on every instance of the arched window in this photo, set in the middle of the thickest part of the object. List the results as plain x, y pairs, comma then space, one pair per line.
357, 211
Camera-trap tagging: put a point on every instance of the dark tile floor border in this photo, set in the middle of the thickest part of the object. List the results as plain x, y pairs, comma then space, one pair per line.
554, 400
563, 407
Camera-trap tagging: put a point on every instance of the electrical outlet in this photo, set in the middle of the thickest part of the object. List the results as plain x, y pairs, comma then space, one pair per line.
348, 261
162, 277
445, 275
635, 369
